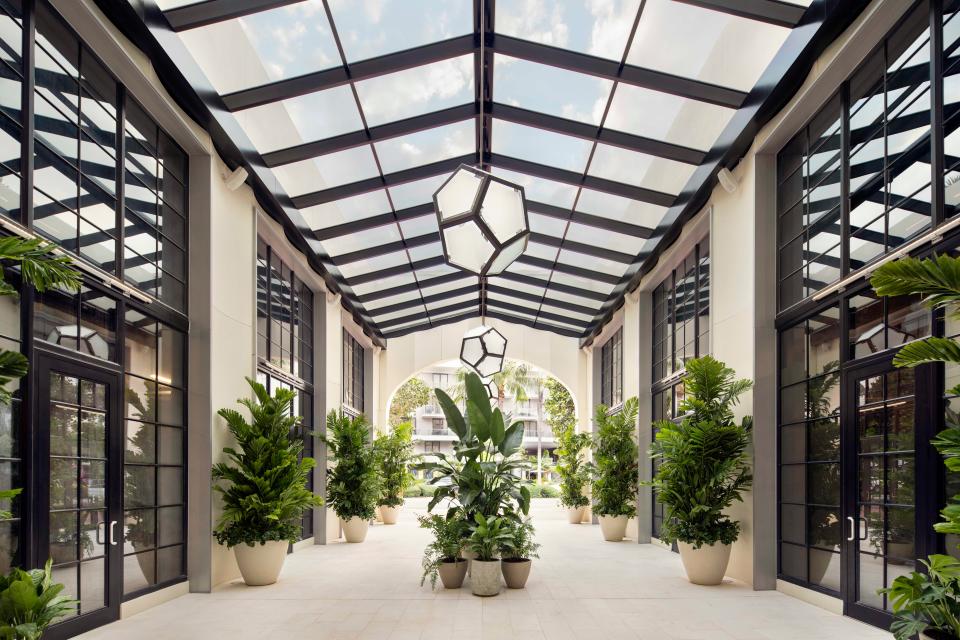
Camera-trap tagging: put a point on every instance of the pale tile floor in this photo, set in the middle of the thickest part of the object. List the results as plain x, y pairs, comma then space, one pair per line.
582, 587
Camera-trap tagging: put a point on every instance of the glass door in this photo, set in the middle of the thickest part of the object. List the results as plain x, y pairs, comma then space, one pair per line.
879, 490
80, 488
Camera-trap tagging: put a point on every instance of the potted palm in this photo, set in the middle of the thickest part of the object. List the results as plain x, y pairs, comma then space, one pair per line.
516, 552
574, 474
30, 602
615, 469
352, 484
703, 469
443, 556
488, 534
394, 451
263, 485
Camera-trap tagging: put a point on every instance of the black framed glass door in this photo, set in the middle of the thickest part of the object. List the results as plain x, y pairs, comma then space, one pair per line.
79, 485
884, 528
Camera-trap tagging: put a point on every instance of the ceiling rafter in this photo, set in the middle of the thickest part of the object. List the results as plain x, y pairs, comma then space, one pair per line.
210, 12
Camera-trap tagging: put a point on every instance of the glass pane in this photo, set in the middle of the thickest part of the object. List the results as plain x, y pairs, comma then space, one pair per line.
549, 90
639, 169
327, 171
540, 146
535, 190
140, 442
608, 205
357, 207
425, 147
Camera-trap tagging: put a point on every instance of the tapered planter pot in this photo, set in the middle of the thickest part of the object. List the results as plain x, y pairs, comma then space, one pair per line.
515, 572
469, 556
389, 514
453, 573
614, 528
575, 515
260, 564
936, 635
485, 577
706, 565
355, 529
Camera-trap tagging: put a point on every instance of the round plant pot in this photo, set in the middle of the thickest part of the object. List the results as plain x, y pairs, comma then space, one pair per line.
485, 577
355, 529
515, 572
819, 563
575, 515
469, 557
706, 565
614, 528
260, 564
899, 552
933, 634
453, 573
389, 514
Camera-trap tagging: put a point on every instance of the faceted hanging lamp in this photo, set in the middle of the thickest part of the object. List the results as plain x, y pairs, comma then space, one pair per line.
492, 390
483, 221
483, 350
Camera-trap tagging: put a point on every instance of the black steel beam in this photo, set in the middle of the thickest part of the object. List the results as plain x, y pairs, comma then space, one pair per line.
530, 297
209, 12
428, 325
781, 14
398, 270
412, 286
354, 139
613, 70
570, 269
506, 317
383, 249
419, 302
591, 132
600, 222
556, 317
580, 247
355, 72
372, 222
556, 286
421, 315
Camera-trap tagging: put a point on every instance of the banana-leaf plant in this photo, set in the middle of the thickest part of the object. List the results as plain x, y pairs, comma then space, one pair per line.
30, 601
482, 476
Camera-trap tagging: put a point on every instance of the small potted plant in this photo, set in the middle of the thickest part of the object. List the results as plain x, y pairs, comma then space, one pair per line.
31, 601
443, 556
487, 535
927, 605
516, 552
394, 451
574, 473
263, 485
352, 483
703, 469
615, 469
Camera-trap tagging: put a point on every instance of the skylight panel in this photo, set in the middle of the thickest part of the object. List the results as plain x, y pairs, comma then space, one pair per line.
417, 91
616, 207
640, 169
711, 46
370, 29
411, 194
346, 210
543, 147
425, 147
550, 90
558, 194
331, 170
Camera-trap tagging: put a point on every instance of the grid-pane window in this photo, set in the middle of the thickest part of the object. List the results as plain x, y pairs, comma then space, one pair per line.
10, 446
611, 370
153, 464
681, 331
285, 344
353, 373
11, 118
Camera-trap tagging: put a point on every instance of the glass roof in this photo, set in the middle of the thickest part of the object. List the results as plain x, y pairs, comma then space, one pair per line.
362, 115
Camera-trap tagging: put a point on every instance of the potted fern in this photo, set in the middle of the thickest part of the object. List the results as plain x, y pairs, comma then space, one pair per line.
353, 487
263, 485
443, 557
615, 469
394, 451
517, 552
704, 469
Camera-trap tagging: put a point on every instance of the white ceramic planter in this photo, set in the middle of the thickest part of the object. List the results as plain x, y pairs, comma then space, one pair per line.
389, 515
706, 565
485, 577
261, 564
355, 529
614, 528
575, 515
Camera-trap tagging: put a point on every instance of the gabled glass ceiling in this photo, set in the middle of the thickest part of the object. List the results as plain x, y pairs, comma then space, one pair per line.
601, 111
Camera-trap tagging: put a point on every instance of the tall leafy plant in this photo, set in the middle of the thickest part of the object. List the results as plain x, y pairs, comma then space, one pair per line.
704, 467
615, 461
30, 602
394, 451
264, 483
571, 446
353, 487
482, 476
929, 601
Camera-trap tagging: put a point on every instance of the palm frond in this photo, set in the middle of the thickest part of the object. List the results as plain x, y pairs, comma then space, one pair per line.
40, 263
927, 350
937, 279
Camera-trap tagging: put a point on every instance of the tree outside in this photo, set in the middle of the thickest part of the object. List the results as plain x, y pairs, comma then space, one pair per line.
412, 394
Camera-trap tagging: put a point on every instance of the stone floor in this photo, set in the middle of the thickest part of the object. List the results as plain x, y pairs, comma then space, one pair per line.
581, 587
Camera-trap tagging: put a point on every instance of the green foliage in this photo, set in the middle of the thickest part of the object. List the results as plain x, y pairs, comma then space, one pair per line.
42, 266
484, 469
549, 491
412, 394
513, 380
573, 469
8, 494
615, 466
558, 407
519, 544
353, 487
704, 467
30, 602
487, 535
447, 543
264, 484
924, 602
394, 451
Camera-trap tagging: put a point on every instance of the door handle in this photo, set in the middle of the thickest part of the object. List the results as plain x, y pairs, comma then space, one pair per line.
864, 537
853, 529
99, 532
113, 540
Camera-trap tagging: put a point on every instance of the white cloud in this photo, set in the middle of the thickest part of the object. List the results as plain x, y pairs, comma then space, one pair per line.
536, 20
417, 90
612, 21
